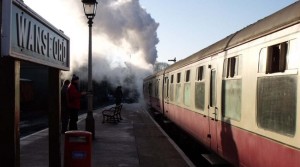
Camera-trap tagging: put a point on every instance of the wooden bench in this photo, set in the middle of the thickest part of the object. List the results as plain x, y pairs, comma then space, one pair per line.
112, 115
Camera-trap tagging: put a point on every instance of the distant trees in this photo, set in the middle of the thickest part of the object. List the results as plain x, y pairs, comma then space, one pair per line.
158, 66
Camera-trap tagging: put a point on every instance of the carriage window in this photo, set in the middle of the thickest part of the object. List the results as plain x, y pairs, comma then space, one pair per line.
232, 98
187, 75
200, 89
178, 77
277, 103
213, 96
187, 94
157, 88
172, 92
293, 55
187, 89
262, 60
231, 67
200, 73
200, 95
231, 88
166, 87
178, 89
276, 58
177, 93
172, 88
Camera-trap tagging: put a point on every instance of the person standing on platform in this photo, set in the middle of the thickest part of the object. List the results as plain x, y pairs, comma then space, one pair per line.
118, 95
74, 102
65, 114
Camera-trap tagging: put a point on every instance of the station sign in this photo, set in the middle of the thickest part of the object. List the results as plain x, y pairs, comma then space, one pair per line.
27, 36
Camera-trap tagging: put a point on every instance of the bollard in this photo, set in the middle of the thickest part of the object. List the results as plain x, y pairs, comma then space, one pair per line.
78, 149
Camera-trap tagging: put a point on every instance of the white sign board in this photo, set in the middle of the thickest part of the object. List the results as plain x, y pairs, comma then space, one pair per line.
27, 36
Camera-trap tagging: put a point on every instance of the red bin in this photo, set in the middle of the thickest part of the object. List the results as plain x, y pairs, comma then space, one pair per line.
78, 149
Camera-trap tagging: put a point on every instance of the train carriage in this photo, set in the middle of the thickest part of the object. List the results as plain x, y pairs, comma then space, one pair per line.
238, 96
152, 90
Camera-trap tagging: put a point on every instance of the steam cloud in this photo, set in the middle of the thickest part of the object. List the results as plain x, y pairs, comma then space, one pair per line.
124, 44
126, 20
124, 39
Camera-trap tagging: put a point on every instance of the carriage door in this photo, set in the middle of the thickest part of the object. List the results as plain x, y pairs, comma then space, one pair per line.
166, 94
150, 93
212, 107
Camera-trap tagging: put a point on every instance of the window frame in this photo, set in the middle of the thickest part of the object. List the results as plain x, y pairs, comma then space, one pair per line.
187, 75
232, 67
277, 58
200, 73
178, 77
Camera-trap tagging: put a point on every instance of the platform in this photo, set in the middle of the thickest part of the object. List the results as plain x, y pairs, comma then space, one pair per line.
137, 141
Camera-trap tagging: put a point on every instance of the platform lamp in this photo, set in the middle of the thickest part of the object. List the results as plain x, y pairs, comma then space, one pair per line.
90, 7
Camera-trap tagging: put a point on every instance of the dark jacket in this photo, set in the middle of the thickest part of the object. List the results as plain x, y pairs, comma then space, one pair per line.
118, 95
64, 98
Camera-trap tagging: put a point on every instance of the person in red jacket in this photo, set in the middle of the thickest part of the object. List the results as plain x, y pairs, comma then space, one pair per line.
74, 102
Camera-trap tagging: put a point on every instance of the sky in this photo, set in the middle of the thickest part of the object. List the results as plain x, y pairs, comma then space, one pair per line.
186, 27
129, 36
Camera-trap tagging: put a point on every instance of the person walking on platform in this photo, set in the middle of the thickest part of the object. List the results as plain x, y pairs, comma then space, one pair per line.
74, 102
65, 114
118, 95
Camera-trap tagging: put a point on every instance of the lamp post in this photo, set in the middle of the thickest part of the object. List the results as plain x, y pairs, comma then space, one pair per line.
90, 7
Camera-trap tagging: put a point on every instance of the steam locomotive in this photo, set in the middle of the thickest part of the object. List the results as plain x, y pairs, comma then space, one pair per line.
239, 96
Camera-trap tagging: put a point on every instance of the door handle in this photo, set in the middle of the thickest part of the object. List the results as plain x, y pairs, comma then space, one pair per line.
215, 113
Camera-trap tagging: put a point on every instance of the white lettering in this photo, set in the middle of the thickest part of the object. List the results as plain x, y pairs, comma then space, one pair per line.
38, 43
30, 38
44, 42
22, 30
55, 48
35, 38
64, 52
50, 45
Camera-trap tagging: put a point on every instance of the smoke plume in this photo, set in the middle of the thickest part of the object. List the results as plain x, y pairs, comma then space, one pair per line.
124, 44
123, 34
125, 22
